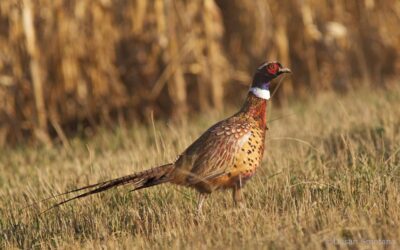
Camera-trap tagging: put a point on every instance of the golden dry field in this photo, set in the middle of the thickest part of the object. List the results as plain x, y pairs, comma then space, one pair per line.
329, 180
71, 63
91, 90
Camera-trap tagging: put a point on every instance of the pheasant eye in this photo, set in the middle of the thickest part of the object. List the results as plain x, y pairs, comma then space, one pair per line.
273, 68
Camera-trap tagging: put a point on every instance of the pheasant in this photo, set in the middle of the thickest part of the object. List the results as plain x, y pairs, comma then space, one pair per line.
226, 156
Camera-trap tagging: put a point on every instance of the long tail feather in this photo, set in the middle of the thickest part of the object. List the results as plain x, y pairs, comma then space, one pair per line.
147, 178
65, 193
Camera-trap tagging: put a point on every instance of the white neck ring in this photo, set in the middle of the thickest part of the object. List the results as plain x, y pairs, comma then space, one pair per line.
261, 93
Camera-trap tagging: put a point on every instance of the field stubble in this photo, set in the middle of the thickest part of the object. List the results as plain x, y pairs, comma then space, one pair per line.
330, 178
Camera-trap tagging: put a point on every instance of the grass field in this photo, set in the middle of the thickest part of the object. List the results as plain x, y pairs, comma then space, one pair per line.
330, 179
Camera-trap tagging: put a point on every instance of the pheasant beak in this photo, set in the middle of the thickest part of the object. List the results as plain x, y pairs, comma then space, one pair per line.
284, 70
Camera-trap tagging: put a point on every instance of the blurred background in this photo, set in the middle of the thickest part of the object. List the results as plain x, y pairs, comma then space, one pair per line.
67, 65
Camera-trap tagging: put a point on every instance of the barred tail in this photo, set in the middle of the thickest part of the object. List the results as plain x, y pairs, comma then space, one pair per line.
144, 179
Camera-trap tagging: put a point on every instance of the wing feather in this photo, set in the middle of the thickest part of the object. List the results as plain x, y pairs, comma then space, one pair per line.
216, 149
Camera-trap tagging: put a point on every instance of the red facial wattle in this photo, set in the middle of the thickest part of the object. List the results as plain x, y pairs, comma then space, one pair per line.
273, 68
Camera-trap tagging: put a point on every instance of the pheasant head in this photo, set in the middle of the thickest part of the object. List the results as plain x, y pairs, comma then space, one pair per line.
263, 77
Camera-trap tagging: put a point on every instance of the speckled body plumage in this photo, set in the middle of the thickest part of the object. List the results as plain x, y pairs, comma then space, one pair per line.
223, 157
227, 153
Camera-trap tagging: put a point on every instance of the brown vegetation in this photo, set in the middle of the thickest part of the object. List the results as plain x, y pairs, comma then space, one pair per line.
329, 180
64, 62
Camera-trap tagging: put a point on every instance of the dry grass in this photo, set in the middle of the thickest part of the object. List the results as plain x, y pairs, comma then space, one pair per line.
68, 62
331, 172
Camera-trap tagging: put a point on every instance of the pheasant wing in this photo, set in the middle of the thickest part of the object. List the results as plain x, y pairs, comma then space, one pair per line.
216, 149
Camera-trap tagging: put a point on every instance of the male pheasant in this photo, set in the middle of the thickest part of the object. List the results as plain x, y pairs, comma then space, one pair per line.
224, 157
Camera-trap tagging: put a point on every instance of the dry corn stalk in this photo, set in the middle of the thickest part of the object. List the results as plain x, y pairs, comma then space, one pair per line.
70, 62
